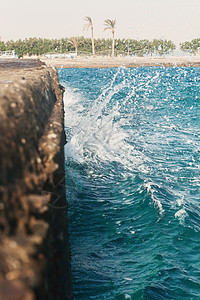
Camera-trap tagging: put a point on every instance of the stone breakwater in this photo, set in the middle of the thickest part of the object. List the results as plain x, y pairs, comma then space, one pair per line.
34, 242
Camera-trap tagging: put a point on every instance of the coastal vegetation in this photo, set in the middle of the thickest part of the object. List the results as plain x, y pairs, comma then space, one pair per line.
191, 47
83, 46
101, 46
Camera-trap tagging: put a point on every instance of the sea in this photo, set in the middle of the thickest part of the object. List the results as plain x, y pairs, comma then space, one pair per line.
132, 163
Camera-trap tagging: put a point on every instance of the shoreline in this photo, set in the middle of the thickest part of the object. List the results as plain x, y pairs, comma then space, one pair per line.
128, 62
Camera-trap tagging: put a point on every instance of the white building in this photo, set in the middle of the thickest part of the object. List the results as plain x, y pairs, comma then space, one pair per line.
8, 54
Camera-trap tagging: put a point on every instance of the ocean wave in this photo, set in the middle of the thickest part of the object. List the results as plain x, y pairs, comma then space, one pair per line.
132, 177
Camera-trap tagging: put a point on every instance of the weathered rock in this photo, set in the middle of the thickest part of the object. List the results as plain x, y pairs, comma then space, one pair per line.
34, 243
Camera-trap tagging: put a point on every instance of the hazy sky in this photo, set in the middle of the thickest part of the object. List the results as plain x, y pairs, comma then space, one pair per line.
178, 20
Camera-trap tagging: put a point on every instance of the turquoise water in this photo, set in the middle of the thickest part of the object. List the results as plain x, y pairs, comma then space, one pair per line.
133, 181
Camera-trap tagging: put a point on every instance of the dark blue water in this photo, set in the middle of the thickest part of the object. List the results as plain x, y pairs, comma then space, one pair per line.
133, 182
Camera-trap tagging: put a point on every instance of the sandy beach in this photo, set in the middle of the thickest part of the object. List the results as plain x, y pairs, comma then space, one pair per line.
111, 62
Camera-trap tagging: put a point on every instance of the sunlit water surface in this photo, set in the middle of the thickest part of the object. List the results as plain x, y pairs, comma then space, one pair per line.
133, 182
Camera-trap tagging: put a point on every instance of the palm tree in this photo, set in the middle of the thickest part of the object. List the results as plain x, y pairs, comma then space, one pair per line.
87, 26
74, 41
110, 25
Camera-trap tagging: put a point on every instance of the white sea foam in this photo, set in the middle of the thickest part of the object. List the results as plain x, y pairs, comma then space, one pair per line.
93, 134
156, 202
132, 232
127, 296
181, 214
127, 278
180, 201
98, 131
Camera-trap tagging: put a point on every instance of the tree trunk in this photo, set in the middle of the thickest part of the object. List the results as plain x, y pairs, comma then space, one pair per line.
92, 41
113, 43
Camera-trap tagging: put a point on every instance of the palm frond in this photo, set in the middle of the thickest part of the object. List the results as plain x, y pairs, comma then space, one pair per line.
86, 26
89, 24
74, 41
106, 28
109, 24
88, 19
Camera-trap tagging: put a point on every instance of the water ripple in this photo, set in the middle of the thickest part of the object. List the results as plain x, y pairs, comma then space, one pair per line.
132, 173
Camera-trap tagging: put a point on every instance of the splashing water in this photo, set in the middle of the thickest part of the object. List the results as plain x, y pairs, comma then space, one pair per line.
133, 181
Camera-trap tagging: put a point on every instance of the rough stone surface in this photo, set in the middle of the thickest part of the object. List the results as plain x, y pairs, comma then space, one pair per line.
34, 242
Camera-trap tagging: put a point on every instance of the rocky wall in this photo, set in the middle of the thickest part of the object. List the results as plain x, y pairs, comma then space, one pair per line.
34, 242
